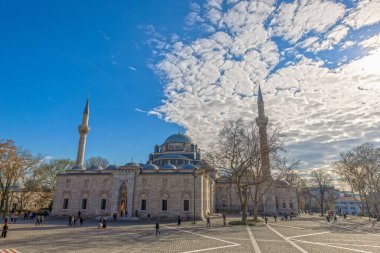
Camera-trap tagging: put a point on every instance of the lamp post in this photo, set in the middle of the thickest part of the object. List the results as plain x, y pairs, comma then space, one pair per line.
194, 196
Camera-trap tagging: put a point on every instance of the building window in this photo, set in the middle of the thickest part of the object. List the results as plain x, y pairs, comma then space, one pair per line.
143, 204
283, 205
291, 205
186, 205
84, 203
103, 204
65, 203
164, 205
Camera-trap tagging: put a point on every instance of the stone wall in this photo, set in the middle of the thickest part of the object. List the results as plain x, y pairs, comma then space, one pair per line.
175, 188
75, 187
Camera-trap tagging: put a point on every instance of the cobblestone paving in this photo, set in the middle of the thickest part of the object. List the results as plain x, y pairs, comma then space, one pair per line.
302, 234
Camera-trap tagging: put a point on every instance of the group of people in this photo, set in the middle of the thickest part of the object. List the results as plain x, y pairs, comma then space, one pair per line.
76, 220
102, 222
39, 220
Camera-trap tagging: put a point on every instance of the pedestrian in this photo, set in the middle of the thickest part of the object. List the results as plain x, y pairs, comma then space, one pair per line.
208, 222
344, 216
70, 224
266, 220
224, 219
41, 219
81, 219
100, 222
104, 222
75, 220
157, 228
25, 216
335, 218
179, 221
275, 218
149, 217
373, 223
5, 230
37, 220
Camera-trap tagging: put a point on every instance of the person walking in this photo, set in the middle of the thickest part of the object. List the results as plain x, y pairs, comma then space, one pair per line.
179, 220
335, 218
224, 219
275, 218
158, 229
5, 230
208, 222
149, 217
70, 224
104, 222
37, 220
266, 220
81, 219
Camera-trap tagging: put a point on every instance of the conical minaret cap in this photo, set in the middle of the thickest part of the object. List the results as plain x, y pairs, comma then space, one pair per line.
260, 96
87, 108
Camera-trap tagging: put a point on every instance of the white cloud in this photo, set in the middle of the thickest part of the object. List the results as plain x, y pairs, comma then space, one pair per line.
322, 111
296, 19
366, 13
132, 68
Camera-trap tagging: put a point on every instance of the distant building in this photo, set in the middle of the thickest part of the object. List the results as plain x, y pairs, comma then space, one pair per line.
350, 205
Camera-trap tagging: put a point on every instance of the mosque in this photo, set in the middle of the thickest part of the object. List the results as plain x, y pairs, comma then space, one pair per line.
174, 182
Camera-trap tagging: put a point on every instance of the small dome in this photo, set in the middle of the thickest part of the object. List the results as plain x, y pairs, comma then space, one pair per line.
188, 166
78, 167
150, 166
133, 164
112, 167
168, 167
178, 138
95, 167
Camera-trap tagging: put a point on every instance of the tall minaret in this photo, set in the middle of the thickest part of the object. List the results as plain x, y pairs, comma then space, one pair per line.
84, 129
262, 122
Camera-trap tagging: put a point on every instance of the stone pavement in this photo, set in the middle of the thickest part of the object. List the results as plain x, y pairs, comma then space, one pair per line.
302, 234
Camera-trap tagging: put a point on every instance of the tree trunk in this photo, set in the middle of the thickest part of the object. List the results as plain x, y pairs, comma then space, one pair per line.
244, 218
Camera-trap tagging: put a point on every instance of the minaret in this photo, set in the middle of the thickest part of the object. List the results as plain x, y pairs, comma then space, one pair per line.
83, 129
262, 122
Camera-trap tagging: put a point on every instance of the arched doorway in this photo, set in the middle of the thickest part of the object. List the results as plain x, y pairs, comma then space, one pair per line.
123, 200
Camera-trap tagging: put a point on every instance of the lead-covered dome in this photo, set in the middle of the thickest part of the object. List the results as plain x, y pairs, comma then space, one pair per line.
178, 138
150, 166
95, 167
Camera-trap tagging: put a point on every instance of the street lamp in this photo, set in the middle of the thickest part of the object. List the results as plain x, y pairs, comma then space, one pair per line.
194, 195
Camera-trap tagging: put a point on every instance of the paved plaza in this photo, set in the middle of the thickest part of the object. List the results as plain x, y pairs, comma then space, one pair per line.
302, 234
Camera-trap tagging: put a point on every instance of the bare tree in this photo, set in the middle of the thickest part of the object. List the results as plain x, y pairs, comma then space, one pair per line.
231, 158
237, 156
15, 164
46, 176
320, 183
360, 169
299, 183
97, 161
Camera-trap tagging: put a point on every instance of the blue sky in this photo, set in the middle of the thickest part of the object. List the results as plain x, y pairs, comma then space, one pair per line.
56, 53
192, 63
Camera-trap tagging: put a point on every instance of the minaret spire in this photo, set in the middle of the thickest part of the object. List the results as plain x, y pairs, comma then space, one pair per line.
262, 122
83, 129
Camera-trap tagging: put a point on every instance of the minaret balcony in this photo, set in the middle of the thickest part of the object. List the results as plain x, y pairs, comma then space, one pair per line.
84, 129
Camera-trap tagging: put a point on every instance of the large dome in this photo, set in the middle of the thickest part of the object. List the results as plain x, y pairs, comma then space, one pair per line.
178, 138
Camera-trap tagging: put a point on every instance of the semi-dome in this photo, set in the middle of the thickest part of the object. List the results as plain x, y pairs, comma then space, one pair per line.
95, 167
133, 164
112, 167
188, 166
178, 138
78, 167
150, 166
168, 167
